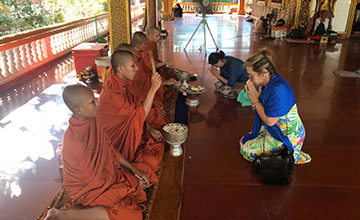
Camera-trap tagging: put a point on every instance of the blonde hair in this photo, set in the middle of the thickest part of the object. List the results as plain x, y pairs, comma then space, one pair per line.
260, 61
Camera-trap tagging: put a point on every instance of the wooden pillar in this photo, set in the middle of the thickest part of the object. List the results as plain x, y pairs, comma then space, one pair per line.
150, 15
168, 4
302, 13
119, 22
241, 7
171, 5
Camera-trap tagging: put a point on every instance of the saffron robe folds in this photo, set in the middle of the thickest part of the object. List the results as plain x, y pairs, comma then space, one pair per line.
141, 86
123, 117
93, 175
164, 71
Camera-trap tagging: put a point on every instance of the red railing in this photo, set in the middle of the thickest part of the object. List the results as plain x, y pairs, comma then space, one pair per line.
192, 7
25, 51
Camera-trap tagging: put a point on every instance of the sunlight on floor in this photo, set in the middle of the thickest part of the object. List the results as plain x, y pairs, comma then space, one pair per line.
29, 133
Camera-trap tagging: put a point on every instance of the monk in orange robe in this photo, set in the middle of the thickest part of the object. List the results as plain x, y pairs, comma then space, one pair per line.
161, 67
167, 74
95, 174
142, 83
123, 116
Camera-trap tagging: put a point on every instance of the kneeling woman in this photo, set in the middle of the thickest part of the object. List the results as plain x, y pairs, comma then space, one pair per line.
277, 122
232, 76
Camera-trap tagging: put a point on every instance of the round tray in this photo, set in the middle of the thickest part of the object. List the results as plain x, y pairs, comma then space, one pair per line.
190, 91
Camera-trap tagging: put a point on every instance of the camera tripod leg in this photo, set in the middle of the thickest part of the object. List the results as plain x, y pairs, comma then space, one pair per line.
211, 36
202, 21
192, 35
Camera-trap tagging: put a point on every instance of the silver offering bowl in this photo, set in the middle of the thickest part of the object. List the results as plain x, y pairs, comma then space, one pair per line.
193, 95
182, 75
193, 101
175, 134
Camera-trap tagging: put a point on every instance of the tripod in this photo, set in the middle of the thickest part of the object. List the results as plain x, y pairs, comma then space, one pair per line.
203, 22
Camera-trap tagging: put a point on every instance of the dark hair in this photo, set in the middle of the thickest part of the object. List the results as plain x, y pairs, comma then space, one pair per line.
125, 46
138, 38
152, 29
215, 57
120, 58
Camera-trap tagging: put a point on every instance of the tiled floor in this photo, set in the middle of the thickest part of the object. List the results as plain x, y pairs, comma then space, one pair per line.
218, 183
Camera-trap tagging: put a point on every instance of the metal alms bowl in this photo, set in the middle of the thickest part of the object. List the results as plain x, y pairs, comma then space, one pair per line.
182, 75
175, 134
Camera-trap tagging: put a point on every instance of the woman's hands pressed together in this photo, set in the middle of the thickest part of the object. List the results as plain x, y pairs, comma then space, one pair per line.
214, 71
253, 92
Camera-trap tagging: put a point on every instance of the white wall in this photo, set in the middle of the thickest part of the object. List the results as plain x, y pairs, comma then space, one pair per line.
312, 7
341, 13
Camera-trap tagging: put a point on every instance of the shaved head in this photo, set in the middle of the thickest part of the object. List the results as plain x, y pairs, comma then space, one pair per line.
126, 46
121, 58
138, 38
153, 29
73, 95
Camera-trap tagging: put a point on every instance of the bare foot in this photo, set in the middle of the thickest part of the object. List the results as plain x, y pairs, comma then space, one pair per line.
52, 214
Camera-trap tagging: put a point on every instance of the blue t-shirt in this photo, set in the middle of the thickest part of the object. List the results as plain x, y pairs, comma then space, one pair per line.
234, 71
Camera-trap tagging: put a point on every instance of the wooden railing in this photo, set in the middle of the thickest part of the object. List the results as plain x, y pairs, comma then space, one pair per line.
192, 7
25, 51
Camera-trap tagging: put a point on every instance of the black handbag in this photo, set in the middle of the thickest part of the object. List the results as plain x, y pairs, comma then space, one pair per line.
296, 34
276, 168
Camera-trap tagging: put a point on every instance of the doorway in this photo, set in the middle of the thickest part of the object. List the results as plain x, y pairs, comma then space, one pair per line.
355, 30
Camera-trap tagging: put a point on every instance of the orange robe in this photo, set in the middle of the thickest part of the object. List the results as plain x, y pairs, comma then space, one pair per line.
164, 71
141, 86
108, 73
123, 119
93, 176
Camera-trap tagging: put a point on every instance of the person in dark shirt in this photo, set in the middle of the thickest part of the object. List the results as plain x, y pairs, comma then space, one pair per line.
321, 24
177, 10
232, 75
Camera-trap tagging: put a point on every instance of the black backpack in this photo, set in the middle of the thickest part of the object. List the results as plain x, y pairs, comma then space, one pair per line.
296, 34
275, 169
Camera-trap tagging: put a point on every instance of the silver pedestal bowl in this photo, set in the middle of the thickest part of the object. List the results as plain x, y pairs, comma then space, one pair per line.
193, 93
175, 134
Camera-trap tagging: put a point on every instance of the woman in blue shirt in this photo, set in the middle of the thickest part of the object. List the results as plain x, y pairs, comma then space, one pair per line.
232, 76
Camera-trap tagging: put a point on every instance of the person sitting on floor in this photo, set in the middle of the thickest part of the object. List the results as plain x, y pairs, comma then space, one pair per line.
166, 72
95, 173
142, 83
232, 76
321, 24
177, 10
123, 116
277, 122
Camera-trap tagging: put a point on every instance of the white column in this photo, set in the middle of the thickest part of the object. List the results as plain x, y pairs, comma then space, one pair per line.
39, 50
34, 52
17, 60
3, 65
10, 61
29, 57
23, 56
43, 48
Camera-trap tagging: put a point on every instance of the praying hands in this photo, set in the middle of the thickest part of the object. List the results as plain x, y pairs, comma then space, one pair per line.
252, 92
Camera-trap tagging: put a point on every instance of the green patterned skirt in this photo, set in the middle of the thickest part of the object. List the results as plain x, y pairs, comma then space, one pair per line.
291, 127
